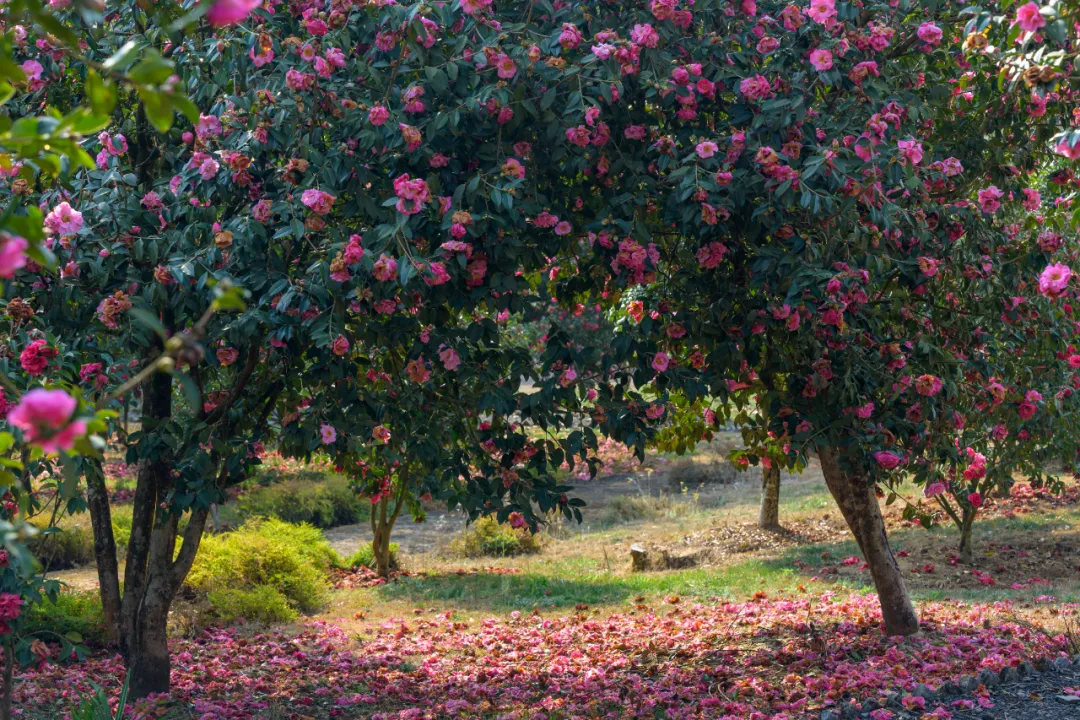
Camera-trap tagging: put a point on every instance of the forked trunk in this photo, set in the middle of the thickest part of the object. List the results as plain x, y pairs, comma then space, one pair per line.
769, 514
382, 524
859, 505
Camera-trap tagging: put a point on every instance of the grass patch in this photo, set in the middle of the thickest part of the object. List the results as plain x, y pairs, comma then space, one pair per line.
77, 615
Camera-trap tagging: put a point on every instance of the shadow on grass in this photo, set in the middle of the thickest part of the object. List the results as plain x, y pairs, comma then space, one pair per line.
556, 584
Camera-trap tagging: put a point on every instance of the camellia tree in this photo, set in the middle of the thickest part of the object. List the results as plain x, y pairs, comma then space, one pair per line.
361, 335
823, 210
791, 190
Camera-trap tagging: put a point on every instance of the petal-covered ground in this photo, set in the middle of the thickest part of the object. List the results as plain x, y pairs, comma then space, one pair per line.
768, 658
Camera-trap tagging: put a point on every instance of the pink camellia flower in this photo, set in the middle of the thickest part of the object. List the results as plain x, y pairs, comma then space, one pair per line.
706, 149
517, 520
10, 606
930, 33
412, 194
328, 434
563, 228
378, 115
975, 498
821, 59
12, 254
64, 220
888, 460
661, 361
1029, 18
45, 417
1054, 280
33, 69
644, 36
209, 169
928, 266
603, 51
1070, 151
474, 7
990, 199
755, 88
911, 150
35, 357
230, 12
381, 434
450, 359
505, 66
318, 201
935, 489
822, 11
340, 345
928, 385
227, 355
385, 268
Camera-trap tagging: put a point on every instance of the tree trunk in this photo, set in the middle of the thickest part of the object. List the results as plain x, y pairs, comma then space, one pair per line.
9, 678
968, 521
382, 524
148, 653
97, 495
150, 490
380, 543
858, 504
769, 514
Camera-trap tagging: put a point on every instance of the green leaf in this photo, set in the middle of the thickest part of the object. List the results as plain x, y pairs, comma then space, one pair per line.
182, 103
152, 70
101, 93
148, 320
158, 107
549, 98
70, 484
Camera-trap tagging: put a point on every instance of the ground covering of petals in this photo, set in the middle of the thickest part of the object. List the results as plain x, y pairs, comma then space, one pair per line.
765, 659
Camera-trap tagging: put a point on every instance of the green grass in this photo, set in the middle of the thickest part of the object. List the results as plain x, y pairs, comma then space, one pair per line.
561, 583
564, 583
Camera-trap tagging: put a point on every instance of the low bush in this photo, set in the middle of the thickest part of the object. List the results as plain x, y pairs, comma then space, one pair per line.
262, 603
72, 543
690, 474
632, 508
67, 546
365, 557
488, 538
292, 560
76, 615
324, 504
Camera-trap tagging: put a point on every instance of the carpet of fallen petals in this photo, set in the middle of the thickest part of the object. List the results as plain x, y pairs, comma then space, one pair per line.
765, 659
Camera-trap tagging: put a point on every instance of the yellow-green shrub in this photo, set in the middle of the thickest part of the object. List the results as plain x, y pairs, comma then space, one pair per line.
292, 560
77, 615
261, 603
488, 537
